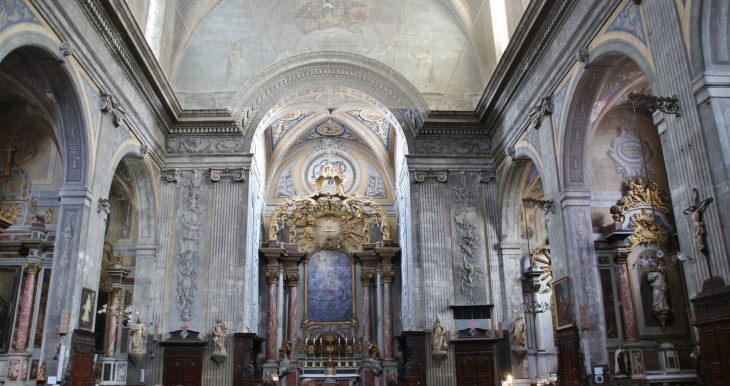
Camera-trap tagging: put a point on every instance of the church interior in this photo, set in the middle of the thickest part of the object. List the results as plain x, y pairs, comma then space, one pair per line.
371, 193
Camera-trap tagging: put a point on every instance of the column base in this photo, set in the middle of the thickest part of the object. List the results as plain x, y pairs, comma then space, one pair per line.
18, 369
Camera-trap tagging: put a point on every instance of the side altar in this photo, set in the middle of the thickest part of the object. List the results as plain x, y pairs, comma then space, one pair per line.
338, 330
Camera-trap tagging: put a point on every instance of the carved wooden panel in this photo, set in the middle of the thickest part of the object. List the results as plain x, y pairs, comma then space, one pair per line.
568, 360
183, 359
475, 364
246, 367
81, 371
412, 345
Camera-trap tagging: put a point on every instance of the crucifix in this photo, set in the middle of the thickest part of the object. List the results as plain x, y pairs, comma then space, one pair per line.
695, 212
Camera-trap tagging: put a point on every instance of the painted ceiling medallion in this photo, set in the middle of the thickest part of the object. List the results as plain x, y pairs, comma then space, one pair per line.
330, 129
330, 98
291, 115
370, 115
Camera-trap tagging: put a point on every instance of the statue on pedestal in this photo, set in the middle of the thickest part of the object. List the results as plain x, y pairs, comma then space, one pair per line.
219, 337
519, 332
136, 353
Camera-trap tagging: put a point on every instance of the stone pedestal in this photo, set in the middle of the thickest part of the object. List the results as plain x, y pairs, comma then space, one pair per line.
18, 368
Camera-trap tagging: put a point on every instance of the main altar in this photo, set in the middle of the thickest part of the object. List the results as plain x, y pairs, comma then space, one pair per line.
338, 330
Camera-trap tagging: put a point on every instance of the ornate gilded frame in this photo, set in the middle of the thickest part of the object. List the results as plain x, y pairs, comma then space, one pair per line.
353, 322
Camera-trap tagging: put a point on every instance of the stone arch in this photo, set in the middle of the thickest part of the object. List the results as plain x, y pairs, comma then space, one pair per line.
709, 47
253, 101
70, 123
145, 194
583, 96
511, 188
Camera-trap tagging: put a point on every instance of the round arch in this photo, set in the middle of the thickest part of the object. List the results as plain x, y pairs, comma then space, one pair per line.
71, 125
254, 100
583, 96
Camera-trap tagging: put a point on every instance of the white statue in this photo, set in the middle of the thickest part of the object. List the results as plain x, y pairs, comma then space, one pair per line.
219, 337
138, 334
659, 291
519, 332
438, 335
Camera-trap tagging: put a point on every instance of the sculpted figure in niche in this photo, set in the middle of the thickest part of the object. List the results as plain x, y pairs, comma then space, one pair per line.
659, 291
219, 337
438, 335
519, 332
695, 212
138, 334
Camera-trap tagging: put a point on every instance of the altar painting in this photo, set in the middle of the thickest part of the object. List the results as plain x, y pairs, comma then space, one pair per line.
8, 292
329, 288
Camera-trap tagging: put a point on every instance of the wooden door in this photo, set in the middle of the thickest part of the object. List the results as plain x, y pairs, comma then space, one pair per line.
715, 349
475, 370
81, 371
568, 361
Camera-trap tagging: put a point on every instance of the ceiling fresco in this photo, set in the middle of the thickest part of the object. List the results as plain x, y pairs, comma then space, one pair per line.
446, 49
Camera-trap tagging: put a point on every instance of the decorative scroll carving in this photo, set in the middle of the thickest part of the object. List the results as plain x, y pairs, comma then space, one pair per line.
285, 185
542, 255
170, 175
187, 274
330, 146
376, 187
583, 58
646, 231
238, 175
487, 177
64, 50
641, 194
324, 220
545, 107
198, 145
465, 219
626, 151
109, 105
667, 105
420, 176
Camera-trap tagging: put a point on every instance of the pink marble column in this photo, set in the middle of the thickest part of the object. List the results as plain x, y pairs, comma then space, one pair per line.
111, 342
366, 280
26, 305
387, 277
624, 290
272, 278
292, 281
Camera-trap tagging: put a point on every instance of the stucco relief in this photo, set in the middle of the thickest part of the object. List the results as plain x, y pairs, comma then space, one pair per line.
199, 145
285, 185
461, 146
191, 218
626, 151
470, 272
376, 188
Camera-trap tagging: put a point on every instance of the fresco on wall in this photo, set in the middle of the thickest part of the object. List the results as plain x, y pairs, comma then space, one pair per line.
629, 21
14, 12
329, 287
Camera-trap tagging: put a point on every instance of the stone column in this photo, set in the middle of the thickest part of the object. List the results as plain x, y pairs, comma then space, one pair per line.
272, 278
26, 305
387, 277
366, 280
292, 281
624, 291
111, 343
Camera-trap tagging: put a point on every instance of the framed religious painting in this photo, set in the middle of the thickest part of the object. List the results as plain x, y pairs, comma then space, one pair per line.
329, 289
9, 277
563, 301
87, 309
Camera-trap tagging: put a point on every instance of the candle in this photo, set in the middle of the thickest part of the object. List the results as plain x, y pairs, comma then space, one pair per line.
345, 340
320, 340
338, 341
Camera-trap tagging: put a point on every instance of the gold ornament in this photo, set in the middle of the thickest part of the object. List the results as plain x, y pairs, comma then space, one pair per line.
646, 231
641, 194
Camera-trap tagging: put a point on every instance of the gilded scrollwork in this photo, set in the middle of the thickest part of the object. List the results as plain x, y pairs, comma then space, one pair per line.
646, 231
542, 255
333, 221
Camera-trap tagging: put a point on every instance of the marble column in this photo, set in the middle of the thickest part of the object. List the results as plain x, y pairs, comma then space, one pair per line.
292, 281
26, 305
111, 343
387, 277
624, 290
272, 278
366, 280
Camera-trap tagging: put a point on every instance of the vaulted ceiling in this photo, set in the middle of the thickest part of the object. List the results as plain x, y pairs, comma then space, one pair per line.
447, 49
